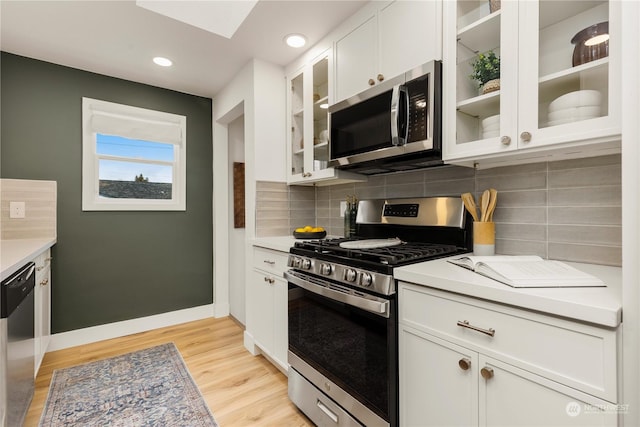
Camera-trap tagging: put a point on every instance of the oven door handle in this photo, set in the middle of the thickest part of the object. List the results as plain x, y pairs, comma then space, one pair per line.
371, 304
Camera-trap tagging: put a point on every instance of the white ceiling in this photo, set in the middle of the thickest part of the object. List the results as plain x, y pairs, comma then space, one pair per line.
119, 39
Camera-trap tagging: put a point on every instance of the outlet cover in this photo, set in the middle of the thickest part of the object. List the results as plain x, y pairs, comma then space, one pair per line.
16, 210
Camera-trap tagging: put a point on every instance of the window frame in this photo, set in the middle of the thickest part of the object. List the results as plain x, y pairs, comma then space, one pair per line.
132, 123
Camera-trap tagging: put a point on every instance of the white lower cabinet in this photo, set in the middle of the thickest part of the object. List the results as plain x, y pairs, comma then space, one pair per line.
269, 308
42, 306
503, 367
434, 390
510, 396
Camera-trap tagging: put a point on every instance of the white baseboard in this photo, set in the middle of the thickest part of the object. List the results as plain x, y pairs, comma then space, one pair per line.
128, 327
221, 310
250, 344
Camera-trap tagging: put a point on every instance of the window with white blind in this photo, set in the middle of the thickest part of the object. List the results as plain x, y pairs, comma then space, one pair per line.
132, 158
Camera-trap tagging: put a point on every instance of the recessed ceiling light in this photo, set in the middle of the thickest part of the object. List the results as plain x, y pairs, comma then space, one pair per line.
163, 62
295, 40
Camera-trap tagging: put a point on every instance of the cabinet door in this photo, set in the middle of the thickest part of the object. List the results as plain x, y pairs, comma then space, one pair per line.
296, 121
42, 307
551, 110
262, 293
280, 324
410, 34
356, 59
477, 121
514, 397
438, 381
536, 104
308, 120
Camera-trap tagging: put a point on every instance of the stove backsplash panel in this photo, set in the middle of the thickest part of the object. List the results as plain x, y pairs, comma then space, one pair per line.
568, 210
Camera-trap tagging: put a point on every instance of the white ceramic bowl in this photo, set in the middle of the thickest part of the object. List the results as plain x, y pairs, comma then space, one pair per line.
578, 98
490, 121
490, 134
491, 127
561, 122
575, 112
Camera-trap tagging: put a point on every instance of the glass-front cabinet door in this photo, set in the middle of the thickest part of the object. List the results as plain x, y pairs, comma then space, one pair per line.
557, 68
297, 124
308, 114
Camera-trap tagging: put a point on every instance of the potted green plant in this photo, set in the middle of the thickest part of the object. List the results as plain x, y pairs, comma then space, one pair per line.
486, 71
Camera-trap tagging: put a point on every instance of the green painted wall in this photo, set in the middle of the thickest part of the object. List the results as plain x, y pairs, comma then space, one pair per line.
108, 266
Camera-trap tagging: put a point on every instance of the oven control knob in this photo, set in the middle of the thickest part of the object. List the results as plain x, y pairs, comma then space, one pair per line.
295, 262
326, 269
305, 264
350, 275
366, 280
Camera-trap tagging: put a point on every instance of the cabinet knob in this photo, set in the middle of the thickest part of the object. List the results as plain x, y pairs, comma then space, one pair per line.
506, 140
487, 373
371, 82
525, 136
45, 282
464, 363
380, 77
269, 280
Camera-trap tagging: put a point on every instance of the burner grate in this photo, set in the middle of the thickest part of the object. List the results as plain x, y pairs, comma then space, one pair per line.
407, 252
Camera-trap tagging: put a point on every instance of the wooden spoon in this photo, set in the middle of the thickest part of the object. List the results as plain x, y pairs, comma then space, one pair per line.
493, 200
470, 204
484, 205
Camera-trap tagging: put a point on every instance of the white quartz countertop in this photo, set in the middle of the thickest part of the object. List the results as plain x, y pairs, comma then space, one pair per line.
598, 305
277, 243
15, 253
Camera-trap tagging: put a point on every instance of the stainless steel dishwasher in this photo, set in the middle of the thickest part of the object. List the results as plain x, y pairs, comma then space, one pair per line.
17, 339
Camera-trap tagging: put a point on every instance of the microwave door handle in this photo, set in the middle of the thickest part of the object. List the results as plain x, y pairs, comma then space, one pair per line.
395, 105
405, 115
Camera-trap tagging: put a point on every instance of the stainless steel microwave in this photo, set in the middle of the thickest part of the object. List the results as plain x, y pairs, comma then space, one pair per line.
395, 125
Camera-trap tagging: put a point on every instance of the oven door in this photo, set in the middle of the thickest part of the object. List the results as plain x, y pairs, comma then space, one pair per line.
344, 342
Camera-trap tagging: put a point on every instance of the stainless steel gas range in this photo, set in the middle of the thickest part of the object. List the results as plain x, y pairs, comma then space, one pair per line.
342, 309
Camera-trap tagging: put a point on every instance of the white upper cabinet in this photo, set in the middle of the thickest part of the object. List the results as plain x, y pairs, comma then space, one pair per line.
356, 61
410, 34
547, 103
309, 99
385, 40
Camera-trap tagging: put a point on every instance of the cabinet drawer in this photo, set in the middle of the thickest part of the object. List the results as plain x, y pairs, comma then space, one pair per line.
271, 261
579, 355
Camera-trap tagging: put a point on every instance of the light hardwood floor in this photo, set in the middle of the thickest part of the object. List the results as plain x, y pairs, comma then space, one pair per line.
240, 389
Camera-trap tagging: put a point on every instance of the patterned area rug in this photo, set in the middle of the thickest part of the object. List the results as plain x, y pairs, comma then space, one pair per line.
150, 387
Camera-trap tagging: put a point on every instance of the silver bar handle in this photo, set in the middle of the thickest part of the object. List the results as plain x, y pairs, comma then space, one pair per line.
465, 324
268, 261
371, 304
405, 137
327, 411
395, 104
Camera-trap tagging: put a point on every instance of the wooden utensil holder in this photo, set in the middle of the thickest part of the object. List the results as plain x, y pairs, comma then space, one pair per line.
484, 238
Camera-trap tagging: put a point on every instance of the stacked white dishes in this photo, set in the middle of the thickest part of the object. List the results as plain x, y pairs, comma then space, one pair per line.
491, 126
575, 106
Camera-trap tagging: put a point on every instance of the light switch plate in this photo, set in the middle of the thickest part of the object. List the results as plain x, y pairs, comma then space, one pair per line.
16, 210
